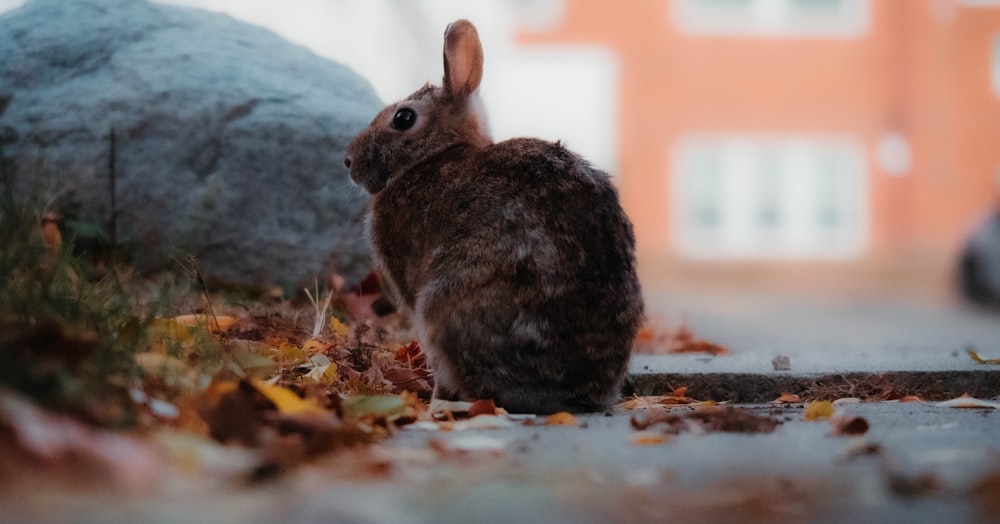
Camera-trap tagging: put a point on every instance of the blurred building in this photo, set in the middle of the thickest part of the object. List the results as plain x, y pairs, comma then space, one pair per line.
798, 140
837, 143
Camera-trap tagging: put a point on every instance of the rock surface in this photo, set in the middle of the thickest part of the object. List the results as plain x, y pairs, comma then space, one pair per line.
229, 139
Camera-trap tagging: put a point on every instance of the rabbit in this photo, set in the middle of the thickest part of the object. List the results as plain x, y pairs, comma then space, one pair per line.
515, 259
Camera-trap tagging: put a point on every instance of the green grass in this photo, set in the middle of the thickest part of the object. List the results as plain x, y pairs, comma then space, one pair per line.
69, 328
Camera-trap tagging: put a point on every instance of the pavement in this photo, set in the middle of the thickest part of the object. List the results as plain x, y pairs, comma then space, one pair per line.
875, 344
916, 462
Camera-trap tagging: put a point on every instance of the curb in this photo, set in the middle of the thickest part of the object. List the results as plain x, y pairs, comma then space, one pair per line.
752, 388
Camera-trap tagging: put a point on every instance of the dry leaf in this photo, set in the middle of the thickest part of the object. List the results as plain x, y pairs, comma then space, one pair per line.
975, 356
676, 397
787, 398
482, 407
483, 422
986, 493
966, 401
215, 324
339, 329
849, 426
562, 418
649, 438
911, 398
662, 340
285, 400
469, 444
819, 410
57, 441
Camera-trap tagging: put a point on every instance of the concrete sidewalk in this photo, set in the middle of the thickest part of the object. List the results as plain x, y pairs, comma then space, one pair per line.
868, 344
917, 462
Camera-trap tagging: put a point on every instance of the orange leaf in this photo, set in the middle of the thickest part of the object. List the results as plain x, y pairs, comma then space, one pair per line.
562, 418
482, 407
649, 438
787, 398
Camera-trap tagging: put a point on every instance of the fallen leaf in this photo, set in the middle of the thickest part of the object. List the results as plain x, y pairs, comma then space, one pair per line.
659, 339
483, 422
561, 418
787, 398
452, 407
968, 402
650, 438
676, 397
366, 406
819, 410
911, 398
649, 418
975, 356
213, 323
986, 493
285, 400
849, 426
60, 442
469, 444
913, 486
733, 420
339, 329
482, 407
323, 371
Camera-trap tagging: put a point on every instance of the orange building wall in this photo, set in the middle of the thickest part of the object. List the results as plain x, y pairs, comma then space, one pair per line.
913, 72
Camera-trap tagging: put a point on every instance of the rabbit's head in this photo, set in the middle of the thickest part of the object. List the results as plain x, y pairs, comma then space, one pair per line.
428, 122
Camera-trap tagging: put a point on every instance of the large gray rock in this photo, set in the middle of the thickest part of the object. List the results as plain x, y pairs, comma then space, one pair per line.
230, 140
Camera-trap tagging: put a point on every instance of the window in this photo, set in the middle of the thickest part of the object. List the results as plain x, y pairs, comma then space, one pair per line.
769, 197
781, 18
995, 66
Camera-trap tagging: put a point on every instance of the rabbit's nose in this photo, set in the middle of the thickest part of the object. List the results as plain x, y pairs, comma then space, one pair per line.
347, 161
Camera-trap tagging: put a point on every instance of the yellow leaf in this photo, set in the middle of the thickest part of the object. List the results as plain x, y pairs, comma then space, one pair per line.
819, 410
649, 438
312, 346
168, 328
338, 328
285, 400
215, 324
291, 352
323, 371
975, 356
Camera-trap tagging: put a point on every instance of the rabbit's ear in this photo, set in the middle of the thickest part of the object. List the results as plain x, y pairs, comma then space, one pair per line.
463, 59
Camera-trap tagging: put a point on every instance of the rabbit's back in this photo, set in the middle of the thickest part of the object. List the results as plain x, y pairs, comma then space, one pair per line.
519, 266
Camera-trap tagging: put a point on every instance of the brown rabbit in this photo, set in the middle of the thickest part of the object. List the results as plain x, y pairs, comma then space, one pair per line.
515, 258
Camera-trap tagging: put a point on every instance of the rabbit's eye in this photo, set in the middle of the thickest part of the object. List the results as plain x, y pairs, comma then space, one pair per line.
404, 119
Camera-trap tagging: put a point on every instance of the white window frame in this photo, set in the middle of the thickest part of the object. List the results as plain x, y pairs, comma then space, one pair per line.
735, 227
995, 64
770, 18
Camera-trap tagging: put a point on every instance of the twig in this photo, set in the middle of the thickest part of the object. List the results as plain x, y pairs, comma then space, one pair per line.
114, 205
192, 268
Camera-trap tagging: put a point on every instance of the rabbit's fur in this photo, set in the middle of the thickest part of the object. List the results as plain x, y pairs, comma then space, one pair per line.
515, 258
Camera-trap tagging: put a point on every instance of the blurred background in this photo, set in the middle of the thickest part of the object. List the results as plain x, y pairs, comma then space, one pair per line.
811, 150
